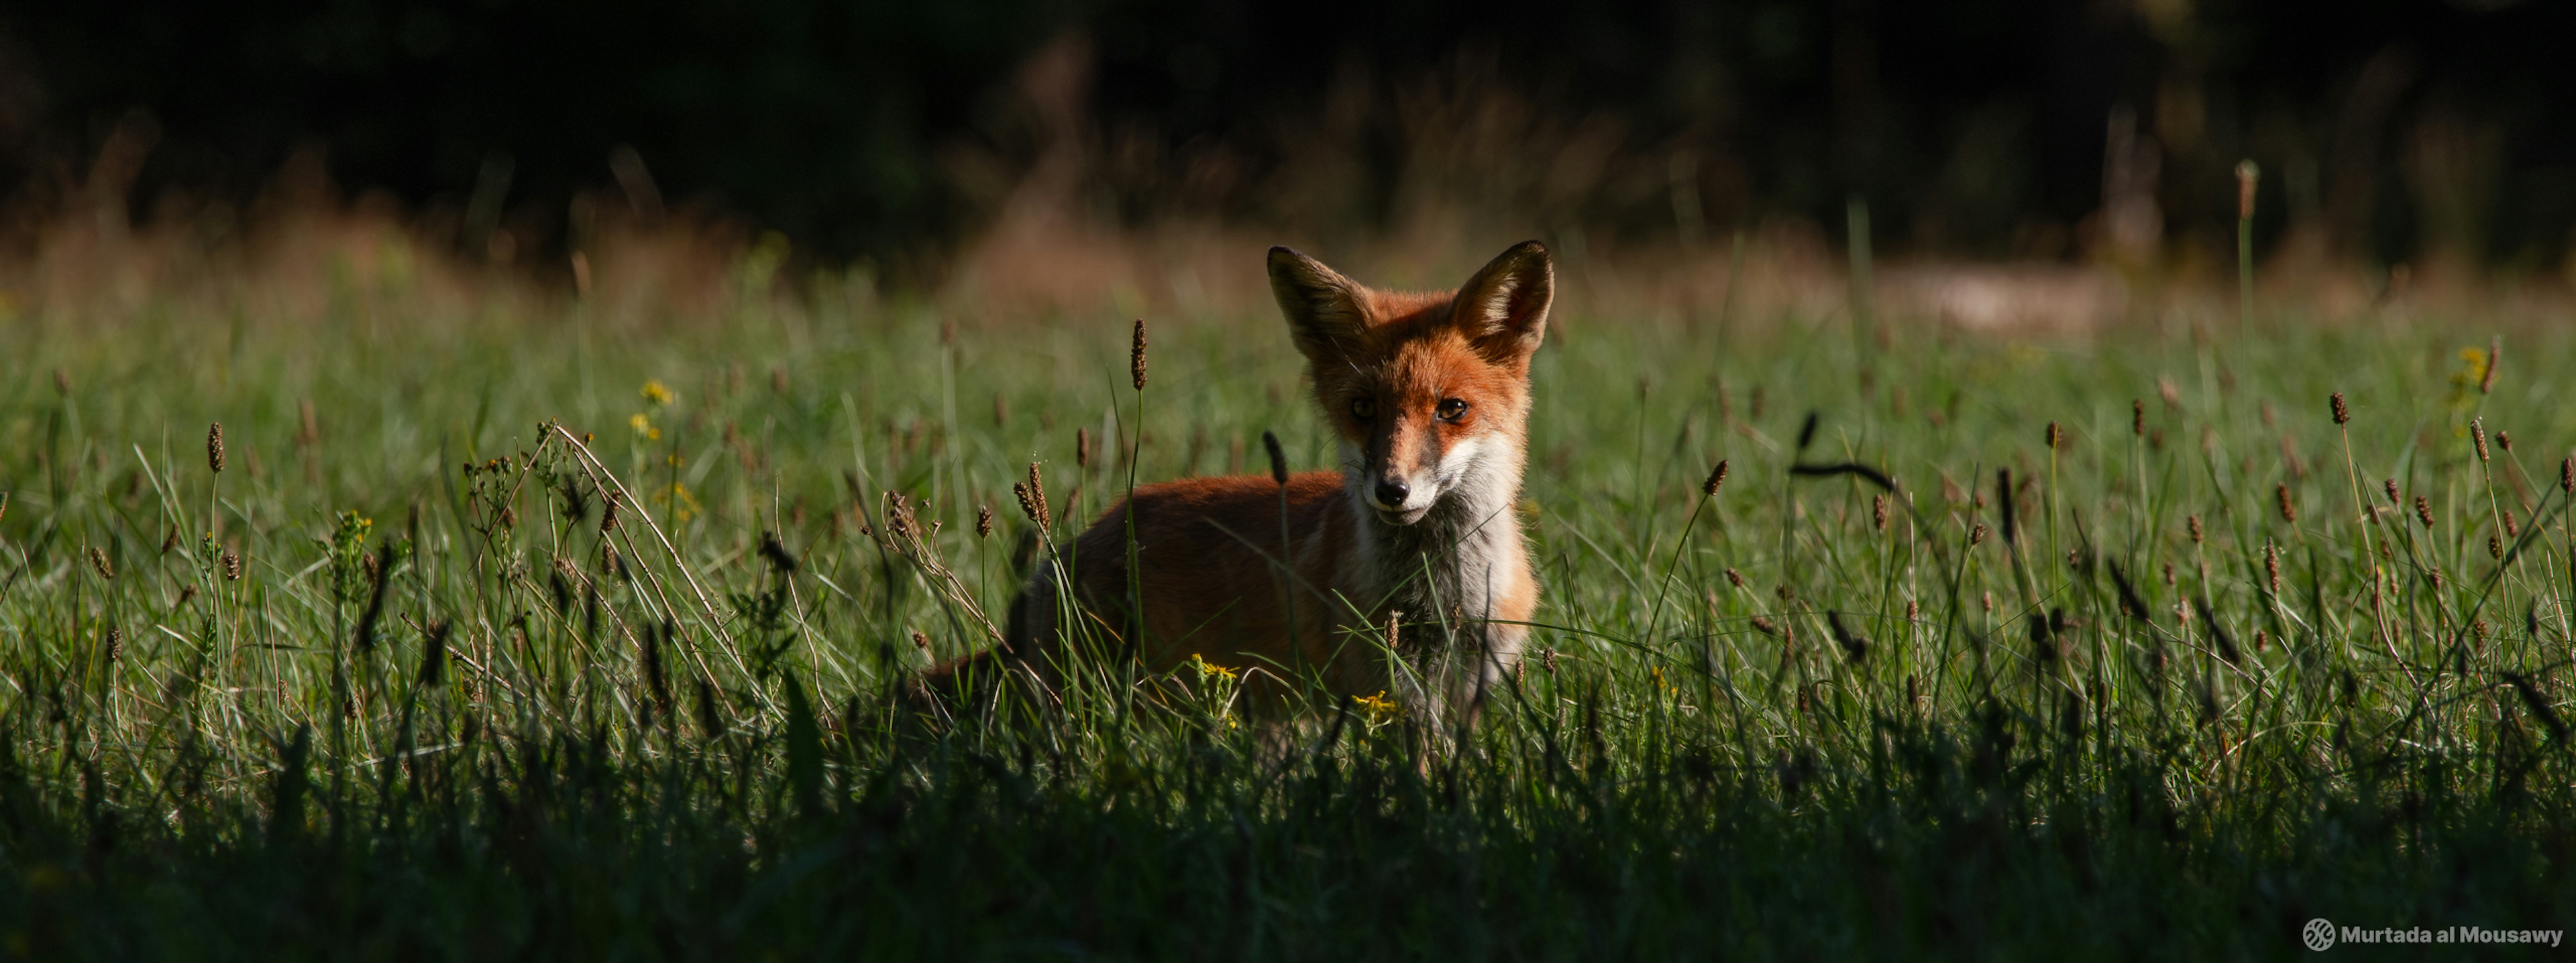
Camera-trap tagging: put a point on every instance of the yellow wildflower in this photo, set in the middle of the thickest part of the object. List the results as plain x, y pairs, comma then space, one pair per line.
1209, 669
1378, 708
655, 394
677, 500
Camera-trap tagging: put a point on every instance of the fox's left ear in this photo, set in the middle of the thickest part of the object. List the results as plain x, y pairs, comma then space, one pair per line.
1503, 308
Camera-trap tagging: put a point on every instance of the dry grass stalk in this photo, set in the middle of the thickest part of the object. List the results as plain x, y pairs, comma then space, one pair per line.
904, 536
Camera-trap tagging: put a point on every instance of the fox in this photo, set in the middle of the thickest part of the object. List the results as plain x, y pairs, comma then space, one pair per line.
1403, 575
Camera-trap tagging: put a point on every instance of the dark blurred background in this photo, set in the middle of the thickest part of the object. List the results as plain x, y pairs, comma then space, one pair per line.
2388, 130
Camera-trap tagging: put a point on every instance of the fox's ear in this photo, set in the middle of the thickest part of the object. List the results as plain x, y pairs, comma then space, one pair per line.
1503, 309
1322, 306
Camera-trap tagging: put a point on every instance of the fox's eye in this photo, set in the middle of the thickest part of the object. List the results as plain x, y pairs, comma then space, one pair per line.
1451, 408
1364, 408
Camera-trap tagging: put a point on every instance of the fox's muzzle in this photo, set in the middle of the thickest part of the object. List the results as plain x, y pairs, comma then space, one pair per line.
1400, 481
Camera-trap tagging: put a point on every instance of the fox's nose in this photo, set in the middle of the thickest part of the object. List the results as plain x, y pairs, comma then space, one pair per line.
1391, 492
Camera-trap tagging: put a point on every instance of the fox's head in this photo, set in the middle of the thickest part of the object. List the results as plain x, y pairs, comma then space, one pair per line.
1429, 392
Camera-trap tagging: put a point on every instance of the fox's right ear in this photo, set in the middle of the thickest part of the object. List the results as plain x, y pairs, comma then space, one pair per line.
1322, 307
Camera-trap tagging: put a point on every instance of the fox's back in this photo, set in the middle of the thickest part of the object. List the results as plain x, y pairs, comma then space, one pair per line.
1208, 559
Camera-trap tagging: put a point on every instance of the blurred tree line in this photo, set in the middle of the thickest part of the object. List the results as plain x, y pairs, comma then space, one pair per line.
2387, 128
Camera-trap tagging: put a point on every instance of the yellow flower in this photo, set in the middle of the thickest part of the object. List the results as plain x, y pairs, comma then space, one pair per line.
677, 500
644, 426
1209, 669
1377, 707
655, 394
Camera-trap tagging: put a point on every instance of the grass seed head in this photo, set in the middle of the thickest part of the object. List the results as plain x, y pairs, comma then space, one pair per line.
2566, 475
2008, 515
608, 512
2478, 435
2342, 412
98, 561
1735, 578
115, 643
1082, 448
215, 447
2423, 511
1278, 458
2495, 354
232, 566
1136, 355
2195, 530
1976, 534
2495, 548
2248, 174
775, 553
2272, 566
983, 521
2393, 497
2289, 509
2056, 436
2504, 440
1032, 494
1716, 477
2138, 417
1878, 511
433, 654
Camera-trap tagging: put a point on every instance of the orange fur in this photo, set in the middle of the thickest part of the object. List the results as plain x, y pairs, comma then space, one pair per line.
1429, 396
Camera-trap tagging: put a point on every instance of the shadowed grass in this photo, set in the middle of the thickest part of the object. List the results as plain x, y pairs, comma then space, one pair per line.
449, 707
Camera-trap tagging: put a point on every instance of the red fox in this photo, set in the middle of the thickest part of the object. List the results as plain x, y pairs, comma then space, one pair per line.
1414, 542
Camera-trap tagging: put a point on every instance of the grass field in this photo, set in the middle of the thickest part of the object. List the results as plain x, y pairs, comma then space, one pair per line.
386, 686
